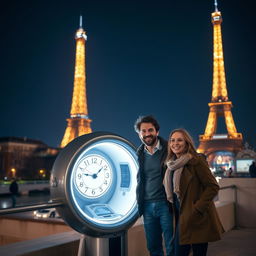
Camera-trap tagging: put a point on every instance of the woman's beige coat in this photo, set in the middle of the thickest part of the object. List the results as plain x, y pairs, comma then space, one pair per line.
198, 220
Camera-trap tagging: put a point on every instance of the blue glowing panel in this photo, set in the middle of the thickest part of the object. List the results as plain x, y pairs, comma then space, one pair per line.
102, 211
125, 176
243, 165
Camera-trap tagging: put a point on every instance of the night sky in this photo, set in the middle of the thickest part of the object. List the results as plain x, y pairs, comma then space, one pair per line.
143, 57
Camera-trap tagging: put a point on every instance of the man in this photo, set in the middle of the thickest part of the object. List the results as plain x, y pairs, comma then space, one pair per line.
14, 189
151, 198
252, 170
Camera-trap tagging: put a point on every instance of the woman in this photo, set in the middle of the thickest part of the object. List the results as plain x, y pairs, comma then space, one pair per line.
191, 187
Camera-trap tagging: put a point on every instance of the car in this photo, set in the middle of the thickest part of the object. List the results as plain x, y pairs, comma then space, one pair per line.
46, 213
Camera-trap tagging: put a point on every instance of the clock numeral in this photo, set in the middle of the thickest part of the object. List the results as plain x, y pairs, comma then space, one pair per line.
94, 160
86, 188
79, 176
86, 162
93, 192
107, 174
81, 184
100, 188
105, 182
105, 167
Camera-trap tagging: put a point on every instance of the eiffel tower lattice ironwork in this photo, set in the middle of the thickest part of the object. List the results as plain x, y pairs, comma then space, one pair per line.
220, 105
79, 122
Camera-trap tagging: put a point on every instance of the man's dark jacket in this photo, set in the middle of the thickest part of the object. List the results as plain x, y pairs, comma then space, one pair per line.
141, 177
14, 188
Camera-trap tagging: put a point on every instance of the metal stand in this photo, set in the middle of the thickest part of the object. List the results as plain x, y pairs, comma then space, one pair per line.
124, 244
81, 248
91, 246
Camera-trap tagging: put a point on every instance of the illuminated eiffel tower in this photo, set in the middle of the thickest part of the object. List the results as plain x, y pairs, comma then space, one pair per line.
220, 105
79, 122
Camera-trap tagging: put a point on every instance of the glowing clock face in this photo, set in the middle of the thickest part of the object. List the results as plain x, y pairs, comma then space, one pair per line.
93, 176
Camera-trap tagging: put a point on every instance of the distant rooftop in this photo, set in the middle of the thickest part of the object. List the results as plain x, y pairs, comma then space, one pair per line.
21, 140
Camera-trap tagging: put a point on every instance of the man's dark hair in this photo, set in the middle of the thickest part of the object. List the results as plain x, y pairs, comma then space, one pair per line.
146, 119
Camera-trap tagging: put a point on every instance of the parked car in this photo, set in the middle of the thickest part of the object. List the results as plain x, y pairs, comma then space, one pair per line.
46, 213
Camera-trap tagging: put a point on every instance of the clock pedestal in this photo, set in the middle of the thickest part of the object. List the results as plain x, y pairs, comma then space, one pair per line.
92, 246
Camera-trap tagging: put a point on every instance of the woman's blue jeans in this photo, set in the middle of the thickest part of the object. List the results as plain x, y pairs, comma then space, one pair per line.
158, 222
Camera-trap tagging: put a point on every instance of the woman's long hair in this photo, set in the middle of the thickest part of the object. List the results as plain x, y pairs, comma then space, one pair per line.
190, 148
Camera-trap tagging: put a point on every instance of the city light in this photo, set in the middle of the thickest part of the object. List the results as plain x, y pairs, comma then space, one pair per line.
13, 171
42, 173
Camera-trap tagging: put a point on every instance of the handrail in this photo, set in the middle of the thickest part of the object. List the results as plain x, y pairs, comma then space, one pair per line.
33, 207
226, 187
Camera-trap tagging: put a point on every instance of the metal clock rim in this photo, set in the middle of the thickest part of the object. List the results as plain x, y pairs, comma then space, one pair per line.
90, 140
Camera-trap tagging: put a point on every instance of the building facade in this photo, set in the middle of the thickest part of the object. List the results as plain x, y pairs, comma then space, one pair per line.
25, 158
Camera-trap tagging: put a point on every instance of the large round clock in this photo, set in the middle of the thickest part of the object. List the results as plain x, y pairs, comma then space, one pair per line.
95, 178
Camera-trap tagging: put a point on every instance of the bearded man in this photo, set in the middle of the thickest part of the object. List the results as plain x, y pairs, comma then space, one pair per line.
151, 197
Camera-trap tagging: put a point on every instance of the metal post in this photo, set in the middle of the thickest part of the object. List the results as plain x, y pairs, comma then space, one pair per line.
81, 248
124, 244
235, 208
92, 246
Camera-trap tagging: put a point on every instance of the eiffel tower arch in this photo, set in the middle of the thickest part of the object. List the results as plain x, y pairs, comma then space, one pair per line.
220, 149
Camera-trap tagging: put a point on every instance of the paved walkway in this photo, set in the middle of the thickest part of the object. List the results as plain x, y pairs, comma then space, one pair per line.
237, 242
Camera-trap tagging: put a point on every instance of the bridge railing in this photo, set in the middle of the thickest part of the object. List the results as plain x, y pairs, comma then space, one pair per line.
33, 207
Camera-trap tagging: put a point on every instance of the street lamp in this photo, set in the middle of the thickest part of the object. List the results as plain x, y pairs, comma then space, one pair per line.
13, 171
42, 173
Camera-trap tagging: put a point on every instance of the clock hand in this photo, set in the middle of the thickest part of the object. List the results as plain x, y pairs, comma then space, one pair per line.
88, 174
99, 170
95, 175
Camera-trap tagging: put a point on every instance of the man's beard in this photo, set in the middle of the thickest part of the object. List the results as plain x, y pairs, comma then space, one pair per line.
150, 142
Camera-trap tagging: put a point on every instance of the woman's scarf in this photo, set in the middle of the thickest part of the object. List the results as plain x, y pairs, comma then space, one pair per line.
175, 166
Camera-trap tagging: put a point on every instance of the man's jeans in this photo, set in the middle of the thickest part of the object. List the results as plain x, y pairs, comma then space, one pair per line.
157, 221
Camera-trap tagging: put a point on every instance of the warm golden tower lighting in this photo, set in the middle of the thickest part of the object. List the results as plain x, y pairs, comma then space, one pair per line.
220, 104
79, 122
